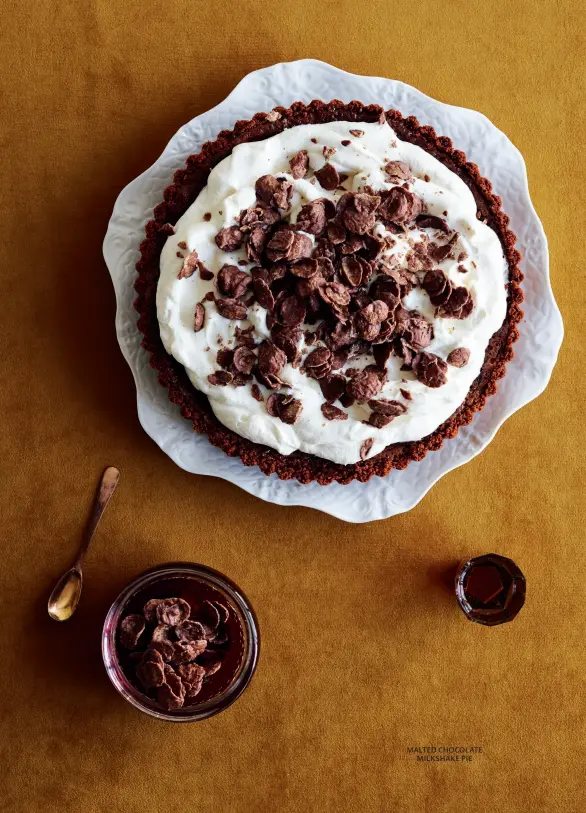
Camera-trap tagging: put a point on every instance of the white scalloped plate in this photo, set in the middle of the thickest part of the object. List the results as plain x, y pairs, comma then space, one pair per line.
535, 352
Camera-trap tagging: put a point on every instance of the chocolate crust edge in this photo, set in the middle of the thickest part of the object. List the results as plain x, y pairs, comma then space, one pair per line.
194, 406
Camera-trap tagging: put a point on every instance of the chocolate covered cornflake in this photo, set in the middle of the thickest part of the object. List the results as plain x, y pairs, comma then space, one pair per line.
224, 357
172, 611
364, 386
336, 232
210, 661
359, 214
284, 407
333, 387
430, 369
357, 133
312, 218
328, 152
406, 394
150, 610
299, 164
274, 192
233, 282
229, 239
231, 308
333, 413
318, 363
263, 294
131, 628
150, 674
399, 205
221, 378
398, 171
291, 311
271, 359
432, 222
256, 393
384, 411
459, 357
171, 695
164, 647
453, 302
182, 653
328, 177
244, 360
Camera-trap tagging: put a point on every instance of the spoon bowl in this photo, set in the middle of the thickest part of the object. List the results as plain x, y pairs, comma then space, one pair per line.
65, 596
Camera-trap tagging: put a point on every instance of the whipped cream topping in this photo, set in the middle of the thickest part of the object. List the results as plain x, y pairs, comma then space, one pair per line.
231, 188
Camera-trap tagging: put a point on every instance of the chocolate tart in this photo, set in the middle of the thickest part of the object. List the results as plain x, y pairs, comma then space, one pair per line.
194, 405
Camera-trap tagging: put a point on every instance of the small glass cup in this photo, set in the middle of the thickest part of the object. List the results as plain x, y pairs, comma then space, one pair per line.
498, 592
237, 601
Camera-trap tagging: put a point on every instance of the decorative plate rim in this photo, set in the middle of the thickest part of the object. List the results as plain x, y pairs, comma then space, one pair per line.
134, 206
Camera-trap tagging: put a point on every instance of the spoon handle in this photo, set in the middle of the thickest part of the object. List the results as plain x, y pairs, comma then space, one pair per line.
107, 487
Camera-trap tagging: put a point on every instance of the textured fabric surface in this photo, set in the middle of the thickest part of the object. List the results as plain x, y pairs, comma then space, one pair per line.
364, 653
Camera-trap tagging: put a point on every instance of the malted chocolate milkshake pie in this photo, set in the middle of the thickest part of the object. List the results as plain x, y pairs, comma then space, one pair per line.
329, 291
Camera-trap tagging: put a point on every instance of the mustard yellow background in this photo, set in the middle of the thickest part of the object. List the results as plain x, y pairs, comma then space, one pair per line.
364, 651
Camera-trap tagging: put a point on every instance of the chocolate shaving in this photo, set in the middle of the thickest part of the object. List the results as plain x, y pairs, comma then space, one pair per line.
166, 228
190, 263
365, 448
199, 317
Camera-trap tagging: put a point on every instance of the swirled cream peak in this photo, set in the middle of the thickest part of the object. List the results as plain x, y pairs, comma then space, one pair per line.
360, 154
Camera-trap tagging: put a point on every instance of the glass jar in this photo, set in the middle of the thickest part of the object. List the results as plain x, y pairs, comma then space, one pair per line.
192, 575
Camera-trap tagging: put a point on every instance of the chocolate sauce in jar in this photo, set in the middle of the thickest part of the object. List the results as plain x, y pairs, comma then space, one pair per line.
195, 592
490, 589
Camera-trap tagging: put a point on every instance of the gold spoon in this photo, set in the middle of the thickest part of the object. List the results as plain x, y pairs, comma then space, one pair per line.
64, 599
